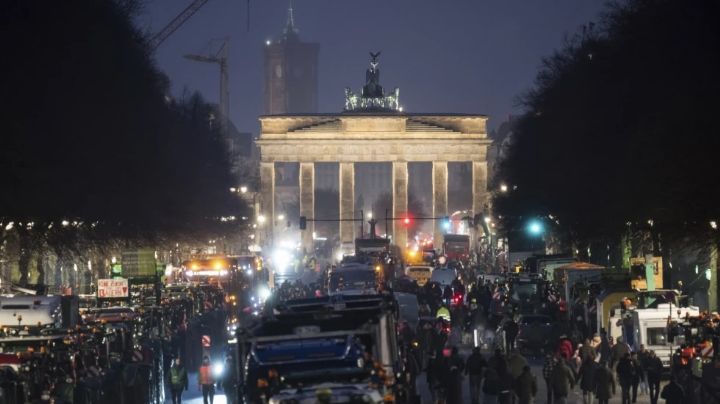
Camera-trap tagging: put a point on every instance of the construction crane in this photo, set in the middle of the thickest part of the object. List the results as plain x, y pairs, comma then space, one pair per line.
220, 58
180, 19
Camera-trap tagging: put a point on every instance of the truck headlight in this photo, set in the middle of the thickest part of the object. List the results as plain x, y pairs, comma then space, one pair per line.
218, 369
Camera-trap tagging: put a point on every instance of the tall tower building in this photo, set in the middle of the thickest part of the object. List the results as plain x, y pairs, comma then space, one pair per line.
291, 73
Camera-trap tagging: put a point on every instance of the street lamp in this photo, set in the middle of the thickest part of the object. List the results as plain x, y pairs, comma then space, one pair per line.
503, 188
535, 228
243, 189
261, 219
281, 217
369, 215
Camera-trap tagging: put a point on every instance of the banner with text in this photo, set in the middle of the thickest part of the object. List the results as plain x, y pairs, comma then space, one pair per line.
112, 288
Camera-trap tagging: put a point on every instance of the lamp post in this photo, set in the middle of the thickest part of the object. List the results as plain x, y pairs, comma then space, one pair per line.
256, 218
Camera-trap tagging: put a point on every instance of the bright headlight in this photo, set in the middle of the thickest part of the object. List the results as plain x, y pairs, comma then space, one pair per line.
263, 293
281, 259
218, 369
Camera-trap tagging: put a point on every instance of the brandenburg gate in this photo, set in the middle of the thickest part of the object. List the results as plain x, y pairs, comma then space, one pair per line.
372, 128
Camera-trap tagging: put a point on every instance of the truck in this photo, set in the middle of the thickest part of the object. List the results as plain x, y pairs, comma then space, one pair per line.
570, 276
649, 327
38, 312
456, 247
545, 264
302, 343
353, 278
610, 305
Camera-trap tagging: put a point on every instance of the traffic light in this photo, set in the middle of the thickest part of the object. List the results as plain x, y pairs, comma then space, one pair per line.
303, 223
407, 221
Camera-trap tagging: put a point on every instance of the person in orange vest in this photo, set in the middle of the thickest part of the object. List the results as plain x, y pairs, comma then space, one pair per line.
206, 381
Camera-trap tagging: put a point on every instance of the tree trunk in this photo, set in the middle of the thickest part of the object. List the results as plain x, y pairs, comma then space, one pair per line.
58, 272
40, 264
25, 254
713, 278
100, 269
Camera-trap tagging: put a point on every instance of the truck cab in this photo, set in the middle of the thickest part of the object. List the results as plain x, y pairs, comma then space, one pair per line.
456, 247
307, 342
649, 327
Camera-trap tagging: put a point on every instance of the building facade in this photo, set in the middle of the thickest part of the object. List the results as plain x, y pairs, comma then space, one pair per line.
291, 73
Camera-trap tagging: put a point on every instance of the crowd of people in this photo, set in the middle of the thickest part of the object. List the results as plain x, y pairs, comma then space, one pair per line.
126, 358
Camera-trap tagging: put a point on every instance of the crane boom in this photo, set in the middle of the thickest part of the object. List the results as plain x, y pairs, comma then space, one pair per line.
220, 58
176, 23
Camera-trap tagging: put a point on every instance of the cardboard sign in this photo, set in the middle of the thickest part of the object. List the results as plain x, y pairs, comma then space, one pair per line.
112, 288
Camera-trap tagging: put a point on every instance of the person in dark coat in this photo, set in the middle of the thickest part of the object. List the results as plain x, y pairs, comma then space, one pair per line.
548, 367
587, 351
474, 368
626, 373
525, 386
434, 376
654, 369
454, 377
618, 351
605, 347
673, 392
637, 376
229, 380
563, 381
587, 379
604, 383
505, 383
511, 329
491, 386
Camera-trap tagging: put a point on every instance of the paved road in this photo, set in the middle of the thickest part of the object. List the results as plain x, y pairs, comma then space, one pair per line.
194, 395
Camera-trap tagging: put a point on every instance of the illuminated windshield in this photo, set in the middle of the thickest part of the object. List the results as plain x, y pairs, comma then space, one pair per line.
353, 279
523, 291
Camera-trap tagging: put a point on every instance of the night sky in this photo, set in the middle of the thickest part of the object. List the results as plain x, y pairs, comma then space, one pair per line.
468, 56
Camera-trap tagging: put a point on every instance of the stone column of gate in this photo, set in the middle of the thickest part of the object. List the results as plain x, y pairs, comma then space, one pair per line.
440, 199
267, 203
307, 204
346, 173
400, 202
479, 189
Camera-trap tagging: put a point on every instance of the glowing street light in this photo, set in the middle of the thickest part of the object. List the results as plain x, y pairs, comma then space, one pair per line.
535, 228
233, 189
243, 189
261, 219
503, 188
280, 217
713, 224
369, 215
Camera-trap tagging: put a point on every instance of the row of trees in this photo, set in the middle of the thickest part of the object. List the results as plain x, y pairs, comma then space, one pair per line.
94, 151
620, 133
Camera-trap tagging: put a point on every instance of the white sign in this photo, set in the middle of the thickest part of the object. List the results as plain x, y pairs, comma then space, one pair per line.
112, 288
